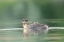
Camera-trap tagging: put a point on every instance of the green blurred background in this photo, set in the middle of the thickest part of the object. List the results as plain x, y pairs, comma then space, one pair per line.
50, 12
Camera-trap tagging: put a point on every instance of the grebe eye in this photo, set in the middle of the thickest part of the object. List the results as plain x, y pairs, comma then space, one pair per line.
26, 20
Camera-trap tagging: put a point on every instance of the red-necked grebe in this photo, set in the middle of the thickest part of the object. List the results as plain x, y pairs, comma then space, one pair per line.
35, 27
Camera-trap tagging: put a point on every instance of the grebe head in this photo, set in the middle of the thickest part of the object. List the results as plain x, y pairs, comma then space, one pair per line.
24, 21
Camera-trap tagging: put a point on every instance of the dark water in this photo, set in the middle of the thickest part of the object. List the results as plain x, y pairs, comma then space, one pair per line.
16, 36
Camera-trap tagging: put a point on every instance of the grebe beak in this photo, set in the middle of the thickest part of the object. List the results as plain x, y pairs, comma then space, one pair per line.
29, 22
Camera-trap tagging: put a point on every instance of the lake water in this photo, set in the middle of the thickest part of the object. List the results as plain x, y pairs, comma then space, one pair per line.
16, 36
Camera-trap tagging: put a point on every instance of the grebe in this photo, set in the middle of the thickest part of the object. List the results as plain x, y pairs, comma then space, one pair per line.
25, 28
35, 27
